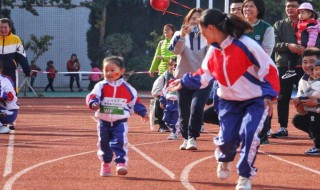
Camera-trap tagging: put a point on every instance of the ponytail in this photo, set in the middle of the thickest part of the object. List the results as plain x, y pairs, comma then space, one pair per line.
229, 24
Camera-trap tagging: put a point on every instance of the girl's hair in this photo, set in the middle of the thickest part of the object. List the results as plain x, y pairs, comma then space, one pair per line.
115, 60
229, 24
260, 7
170, 26
1, 65
190, 13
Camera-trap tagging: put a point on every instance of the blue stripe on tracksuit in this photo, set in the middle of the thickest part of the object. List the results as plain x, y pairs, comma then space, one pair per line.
113, 138
240, 121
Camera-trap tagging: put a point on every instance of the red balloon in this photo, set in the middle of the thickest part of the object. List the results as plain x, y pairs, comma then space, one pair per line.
160, 5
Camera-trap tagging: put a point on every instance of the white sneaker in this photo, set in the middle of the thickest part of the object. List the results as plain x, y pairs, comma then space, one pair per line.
4, 130
173, 136
191, 144
223, 170
243, 183
289, 74
183, 146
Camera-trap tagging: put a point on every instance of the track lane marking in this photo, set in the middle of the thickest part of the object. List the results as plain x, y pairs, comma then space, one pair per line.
292, 163
184, 178
152, 161
10, 181
9, 157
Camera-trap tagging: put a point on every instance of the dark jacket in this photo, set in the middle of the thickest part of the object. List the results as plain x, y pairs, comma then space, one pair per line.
284, 34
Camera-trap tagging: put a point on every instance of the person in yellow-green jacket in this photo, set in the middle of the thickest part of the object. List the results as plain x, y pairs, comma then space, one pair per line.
162, 56
12, 52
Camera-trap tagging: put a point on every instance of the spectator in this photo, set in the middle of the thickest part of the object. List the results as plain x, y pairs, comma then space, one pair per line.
210, 114
308, 118
160, 62
8, 102
162, 56
190, 47
287, 57
262, 33
50, 75
95, 76
34, 71
73, 65
307, 17
169, 102
236, 8
12, 52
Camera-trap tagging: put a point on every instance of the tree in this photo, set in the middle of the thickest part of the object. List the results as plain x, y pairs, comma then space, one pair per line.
118, 44
38, 46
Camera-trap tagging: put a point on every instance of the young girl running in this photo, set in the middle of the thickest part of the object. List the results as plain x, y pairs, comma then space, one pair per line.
248, 81
114, 100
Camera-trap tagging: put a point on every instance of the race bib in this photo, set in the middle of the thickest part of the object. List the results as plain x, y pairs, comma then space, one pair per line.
113, 106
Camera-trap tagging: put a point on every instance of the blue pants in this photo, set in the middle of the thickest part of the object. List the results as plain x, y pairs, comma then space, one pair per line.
191, 106
113, 139
9, 118
240, 123
171, 114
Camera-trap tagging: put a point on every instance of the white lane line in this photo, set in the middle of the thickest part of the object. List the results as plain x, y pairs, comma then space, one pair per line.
9, 183
184, 178
9, 158
292, 163
152, 161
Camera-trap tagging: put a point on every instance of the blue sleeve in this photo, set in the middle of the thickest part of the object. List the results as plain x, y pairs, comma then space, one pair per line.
140, 109
193, 81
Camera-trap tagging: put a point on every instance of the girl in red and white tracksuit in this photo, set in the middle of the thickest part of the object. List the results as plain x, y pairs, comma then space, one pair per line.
114, 100
248, 80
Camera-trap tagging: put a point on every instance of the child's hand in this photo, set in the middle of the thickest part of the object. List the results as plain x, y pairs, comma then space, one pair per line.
95, 106
145, 118
162, 105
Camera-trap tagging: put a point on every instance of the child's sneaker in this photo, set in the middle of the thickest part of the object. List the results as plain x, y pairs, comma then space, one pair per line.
289, 74
183, 146
105, 169
4, 130
121, 169
243, 183
223, 170
313, 151
173, 136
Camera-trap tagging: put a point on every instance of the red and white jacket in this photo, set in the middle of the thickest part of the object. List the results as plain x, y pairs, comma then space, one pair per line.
241, 67
117, 100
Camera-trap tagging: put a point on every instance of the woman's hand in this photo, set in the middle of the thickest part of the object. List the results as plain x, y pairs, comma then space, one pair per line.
175, 86
185, 29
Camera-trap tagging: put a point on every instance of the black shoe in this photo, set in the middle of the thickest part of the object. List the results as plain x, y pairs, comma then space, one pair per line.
263, 139
313, 151
80, 89
12, 127
283, 132
71, 90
